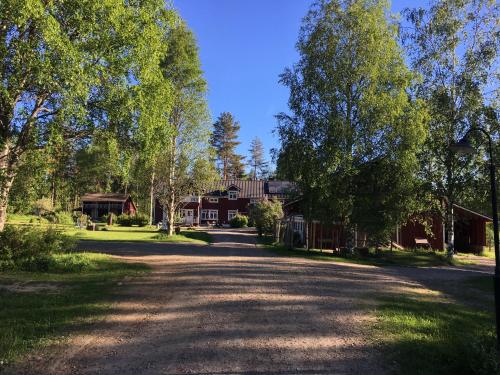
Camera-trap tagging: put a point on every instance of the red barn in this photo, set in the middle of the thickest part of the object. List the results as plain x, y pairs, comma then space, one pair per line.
97, 205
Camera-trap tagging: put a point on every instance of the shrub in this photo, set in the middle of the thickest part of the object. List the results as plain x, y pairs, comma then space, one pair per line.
30, 248
124, 220
265, 215
63, 217
58, 217
239, 221
141, 220
42, 206
129, 220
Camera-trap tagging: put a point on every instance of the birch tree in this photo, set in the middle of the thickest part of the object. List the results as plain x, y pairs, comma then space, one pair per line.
453, 44
181, 168
60, 61
349, 106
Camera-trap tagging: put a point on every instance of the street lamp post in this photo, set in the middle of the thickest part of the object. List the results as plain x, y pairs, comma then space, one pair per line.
464, 147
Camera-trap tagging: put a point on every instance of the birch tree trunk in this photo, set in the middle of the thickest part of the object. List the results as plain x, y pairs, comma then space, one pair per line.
6, 180
151, 199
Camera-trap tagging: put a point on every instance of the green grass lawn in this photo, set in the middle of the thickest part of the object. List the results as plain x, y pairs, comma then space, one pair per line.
430, 334
38, 308
384, 258
149, 234
118, 233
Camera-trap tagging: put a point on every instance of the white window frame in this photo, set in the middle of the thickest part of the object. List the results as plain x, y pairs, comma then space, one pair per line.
254, 200
213, 200
194, 199
204, 214
232, 195
231, 214
213, 215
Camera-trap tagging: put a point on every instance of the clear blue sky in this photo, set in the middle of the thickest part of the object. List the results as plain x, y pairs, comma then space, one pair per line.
244, 46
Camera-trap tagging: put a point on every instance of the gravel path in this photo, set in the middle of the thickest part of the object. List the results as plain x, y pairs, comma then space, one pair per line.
233, 308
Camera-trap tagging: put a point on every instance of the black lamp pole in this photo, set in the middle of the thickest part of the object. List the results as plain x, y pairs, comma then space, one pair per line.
464, 147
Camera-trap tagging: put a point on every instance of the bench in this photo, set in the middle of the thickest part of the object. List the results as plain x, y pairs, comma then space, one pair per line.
422, 242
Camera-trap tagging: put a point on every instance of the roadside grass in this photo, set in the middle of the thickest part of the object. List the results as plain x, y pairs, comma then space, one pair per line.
119, 233
37, 309
417, 258
420, 335
148, 234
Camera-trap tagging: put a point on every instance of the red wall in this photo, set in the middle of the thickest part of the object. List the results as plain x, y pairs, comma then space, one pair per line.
224, 205
412, 230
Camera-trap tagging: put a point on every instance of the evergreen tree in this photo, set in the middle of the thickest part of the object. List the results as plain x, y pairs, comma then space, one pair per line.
224, 141
257, 161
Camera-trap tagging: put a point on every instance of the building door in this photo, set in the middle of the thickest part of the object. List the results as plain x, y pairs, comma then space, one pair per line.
188, 215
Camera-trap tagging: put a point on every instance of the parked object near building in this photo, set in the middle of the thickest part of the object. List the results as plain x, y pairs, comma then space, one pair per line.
96, 205
223, 200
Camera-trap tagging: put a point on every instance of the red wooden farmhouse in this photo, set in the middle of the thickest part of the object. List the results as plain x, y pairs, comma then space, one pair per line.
223, 200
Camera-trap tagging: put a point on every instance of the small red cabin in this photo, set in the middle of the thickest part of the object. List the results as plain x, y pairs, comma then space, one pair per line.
97, 205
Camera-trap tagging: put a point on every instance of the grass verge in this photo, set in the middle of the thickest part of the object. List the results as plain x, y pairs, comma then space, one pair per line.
384, 258
37, 308
144, 234
421, 335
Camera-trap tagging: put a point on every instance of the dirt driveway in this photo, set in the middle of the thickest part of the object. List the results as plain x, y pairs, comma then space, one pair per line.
233, 308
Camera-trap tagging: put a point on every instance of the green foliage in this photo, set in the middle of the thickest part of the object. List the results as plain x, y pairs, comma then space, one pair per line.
43, 206
224, 141
140, 220
239, 221
65, 81
257, 159
29, 248
59, 217
454, 47
265, 216
352, 118
125, 220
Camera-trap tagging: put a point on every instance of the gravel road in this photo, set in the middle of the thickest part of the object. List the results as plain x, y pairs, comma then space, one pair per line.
233, 308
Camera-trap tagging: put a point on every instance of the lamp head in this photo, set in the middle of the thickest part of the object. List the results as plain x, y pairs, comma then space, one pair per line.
463, 146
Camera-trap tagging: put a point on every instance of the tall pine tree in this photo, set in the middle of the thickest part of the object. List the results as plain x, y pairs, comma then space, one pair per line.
257, 161
224, 141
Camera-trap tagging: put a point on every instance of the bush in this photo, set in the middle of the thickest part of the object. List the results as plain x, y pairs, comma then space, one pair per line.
63, 217
140, 220
265, 215
30, 248
43, 206
124, 220
239, 221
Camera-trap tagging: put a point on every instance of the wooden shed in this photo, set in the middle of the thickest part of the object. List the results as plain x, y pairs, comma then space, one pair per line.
470, 231
97, 205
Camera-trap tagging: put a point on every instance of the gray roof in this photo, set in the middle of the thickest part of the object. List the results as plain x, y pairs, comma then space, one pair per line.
250, 188
105, 197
